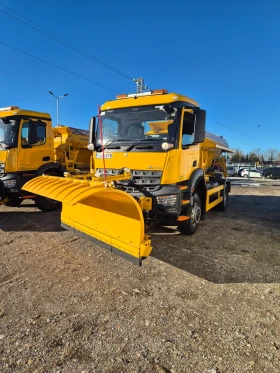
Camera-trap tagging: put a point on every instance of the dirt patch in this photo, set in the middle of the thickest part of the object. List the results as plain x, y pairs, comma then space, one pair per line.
204, 303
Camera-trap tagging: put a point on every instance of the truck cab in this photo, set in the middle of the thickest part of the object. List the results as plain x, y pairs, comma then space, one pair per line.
26, 143
160, 137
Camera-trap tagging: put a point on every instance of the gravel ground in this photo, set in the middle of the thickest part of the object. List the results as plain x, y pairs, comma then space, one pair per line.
209, 303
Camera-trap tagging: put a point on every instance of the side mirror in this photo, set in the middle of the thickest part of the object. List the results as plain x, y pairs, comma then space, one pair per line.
32, 132
92, 130
200, 122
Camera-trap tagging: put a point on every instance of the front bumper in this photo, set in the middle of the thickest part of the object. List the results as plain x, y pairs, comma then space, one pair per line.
171, 208
11, 185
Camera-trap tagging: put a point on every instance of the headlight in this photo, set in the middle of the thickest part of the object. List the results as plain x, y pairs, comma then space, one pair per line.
166, 146
169, 200
90, 146
9, 183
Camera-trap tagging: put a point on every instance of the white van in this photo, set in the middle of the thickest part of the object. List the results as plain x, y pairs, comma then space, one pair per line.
230, 171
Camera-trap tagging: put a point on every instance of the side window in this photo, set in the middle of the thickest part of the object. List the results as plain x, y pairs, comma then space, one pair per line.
41, 134
1, 134
24, 134
188, 129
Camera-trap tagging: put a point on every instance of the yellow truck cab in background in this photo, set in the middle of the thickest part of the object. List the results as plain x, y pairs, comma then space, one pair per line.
153, 162
30, 146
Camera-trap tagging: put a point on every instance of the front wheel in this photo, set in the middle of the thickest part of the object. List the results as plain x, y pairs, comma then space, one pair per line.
46, 204
189, 227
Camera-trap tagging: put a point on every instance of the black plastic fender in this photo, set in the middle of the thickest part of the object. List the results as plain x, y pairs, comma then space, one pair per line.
50, 166
195, 184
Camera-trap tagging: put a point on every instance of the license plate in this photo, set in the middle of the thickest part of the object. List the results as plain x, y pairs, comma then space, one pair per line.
106, 155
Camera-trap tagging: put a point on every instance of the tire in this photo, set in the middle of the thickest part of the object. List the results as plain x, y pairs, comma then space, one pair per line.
15, 202
47, 204
222, 206
189, 227
246, 175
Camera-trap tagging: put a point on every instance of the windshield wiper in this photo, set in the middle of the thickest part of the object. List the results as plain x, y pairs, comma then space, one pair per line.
110, 142
4, 145
139, 142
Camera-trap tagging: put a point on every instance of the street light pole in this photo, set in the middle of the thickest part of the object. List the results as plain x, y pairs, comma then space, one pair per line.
57, 104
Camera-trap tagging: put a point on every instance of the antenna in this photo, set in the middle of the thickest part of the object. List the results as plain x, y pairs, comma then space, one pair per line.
140, 87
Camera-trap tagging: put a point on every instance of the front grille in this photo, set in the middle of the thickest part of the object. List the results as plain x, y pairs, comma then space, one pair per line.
148, 180
2, 168
131, 189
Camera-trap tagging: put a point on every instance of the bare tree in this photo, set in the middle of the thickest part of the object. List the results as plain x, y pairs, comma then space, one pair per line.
237, 156
259, 153
271, 154
253, 157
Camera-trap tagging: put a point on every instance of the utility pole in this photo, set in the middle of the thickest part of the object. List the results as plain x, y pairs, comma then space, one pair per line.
140, 87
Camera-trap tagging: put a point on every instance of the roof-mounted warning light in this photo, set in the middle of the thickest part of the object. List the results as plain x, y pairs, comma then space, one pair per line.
9, 108
154, 92
159, 91
123, 95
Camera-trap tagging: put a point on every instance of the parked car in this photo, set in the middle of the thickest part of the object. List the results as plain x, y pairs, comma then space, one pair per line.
251, 173
240, 170
230, 171
271, 173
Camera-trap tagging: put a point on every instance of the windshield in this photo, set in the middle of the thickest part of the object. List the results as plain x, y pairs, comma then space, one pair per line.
138, 124
8, 133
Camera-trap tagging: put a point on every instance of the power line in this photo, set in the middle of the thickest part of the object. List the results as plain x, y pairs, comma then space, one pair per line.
63, 41
221, 124
101, 85
58, 67
85, 54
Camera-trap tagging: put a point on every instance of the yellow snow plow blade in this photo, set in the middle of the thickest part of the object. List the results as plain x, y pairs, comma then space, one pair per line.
105, 215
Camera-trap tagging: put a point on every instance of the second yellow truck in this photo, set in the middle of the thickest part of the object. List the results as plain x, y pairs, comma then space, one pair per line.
30, 147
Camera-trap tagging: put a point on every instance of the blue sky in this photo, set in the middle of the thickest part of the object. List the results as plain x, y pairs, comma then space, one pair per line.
224, 54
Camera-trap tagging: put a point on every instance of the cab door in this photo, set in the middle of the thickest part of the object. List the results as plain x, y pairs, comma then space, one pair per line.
33, 155
189, 152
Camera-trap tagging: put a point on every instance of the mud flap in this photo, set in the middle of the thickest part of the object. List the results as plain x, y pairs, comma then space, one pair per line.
103, 214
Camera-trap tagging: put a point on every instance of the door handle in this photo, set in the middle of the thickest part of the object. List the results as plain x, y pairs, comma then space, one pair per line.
44, 159
194, 163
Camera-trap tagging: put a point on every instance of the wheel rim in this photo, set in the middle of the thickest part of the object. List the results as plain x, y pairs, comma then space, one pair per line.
196, 214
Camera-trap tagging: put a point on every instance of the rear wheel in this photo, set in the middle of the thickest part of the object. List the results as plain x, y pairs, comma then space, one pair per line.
15, 202
223, 205
190, 226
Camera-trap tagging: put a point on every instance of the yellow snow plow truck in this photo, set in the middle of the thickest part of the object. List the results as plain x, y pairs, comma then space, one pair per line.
30, 146
152, 162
